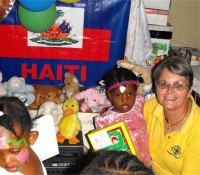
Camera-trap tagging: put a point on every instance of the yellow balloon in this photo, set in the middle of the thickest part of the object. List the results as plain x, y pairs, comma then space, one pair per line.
69, 1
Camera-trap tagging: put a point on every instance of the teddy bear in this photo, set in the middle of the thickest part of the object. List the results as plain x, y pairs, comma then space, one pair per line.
3, 91
44, 93
140, 71
70, 87
16, 86
93, 100
53, 109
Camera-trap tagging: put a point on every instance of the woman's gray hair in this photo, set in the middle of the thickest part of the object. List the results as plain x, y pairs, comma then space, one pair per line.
176, 65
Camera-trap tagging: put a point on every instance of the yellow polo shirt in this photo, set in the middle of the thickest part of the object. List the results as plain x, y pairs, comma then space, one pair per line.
177, 152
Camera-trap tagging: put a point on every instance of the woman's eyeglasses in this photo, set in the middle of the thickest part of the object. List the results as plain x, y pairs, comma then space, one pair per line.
177, 86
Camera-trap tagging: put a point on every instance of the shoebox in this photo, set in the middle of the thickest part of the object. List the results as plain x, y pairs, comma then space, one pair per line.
161, 38
157, 4
157, 16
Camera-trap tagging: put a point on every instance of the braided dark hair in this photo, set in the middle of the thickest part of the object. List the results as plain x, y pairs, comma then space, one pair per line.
13, 111
117, 75
116, 163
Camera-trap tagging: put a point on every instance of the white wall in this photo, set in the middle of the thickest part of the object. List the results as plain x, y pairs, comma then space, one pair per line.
184, 16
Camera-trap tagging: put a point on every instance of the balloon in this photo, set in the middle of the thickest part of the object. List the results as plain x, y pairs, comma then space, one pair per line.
37, 21
69, 1
36, 5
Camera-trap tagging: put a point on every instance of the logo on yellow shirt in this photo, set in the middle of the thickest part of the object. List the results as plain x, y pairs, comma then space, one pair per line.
175, 151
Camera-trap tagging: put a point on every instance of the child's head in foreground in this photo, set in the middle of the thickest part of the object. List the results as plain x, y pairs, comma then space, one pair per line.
115, 163
121, 88
15, 135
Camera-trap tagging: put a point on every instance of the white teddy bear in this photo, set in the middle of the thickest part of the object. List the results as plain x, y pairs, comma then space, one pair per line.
55, 110
17, 87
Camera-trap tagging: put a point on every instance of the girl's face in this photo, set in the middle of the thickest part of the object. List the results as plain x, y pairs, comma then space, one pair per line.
13, 153
172, 97
122, 98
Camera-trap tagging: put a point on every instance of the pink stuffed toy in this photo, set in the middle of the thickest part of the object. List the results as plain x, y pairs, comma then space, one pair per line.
93, 100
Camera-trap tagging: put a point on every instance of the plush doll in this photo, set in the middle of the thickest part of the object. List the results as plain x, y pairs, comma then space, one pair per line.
53, 109
3, 91
45, 93
93, 100
70, 87
16, 86
69, 125
139, 70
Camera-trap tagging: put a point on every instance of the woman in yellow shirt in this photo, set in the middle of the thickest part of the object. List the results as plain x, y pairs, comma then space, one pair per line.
173, 120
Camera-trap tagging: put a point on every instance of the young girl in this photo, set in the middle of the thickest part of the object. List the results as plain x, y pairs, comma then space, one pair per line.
121, 89
16, 155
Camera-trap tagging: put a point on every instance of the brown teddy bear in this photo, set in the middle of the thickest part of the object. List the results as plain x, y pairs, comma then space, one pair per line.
70, 87
45, 93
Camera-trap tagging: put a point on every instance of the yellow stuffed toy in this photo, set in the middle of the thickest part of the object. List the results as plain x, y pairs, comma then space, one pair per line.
141, 71
69, 125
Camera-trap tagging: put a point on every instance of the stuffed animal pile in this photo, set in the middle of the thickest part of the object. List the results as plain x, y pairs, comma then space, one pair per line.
62, 103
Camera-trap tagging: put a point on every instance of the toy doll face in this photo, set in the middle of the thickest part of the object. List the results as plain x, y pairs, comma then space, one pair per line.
123, 98
13, 153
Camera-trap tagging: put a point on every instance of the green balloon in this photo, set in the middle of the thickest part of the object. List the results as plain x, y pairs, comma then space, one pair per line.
37, 21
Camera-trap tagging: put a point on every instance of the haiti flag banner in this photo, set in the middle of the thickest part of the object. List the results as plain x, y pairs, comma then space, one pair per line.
86, 38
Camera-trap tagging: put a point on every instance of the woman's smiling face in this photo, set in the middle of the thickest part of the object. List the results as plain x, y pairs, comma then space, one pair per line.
13, 153
171, 97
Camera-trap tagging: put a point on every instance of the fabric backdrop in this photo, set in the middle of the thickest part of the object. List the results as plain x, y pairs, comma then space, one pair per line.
97, 38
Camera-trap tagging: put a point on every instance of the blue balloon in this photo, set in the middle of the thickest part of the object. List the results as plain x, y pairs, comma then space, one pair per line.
36, 5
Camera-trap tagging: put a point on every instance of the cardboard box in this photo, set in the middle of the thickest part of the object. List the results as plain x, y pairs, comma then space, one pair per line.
161, 37
157, 17
157, 4
162, 32
113, 137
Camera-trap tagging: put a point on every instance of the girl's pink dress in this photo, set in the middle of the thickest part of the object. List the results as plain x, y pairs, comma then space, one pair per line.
135, 124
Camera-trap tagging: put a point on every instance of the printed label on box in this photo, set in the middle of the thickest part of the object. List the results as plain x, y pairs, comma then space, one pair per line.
157, 17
